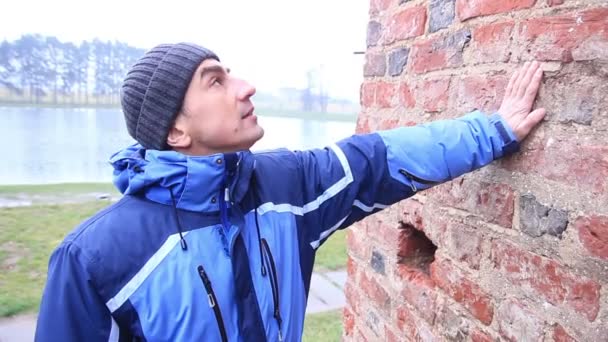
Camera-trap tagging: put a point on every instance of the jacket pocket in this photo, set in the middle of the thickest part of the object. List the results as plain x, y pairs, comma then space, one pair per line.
213, 302
274, 283
412, 178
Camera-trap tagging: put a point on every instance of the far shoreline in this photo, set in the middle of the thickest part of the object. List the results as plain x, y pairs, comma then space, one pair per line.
262, 112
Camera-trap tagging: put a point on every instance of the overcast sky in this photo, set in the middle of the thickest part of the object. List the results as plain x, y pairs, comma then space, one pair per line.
268, 42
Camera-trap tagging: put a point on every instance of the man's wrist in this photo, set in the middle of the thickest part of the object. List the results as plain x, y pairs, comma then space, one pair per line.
506, 134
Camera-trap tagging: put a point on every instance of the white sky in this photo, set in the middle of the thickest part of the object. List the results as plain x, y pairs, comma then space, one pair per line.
271, 43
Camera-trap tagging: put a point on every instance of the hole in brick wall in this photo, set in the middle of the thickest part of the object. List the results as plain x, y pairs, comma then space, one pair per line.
416, 250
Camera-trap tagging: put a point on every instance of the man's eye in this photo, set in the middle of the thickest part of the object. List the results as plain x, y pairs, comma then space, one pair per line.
216, 81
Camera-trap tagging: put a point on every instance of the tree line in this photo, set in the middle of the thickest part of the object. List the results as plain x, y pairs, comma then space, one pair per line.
41, 69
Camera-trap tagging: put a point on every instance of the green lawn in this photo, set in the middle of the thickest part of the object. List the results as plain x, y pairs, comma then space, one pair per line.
323, 327
29, 234
27, 237
56, 189
332, 255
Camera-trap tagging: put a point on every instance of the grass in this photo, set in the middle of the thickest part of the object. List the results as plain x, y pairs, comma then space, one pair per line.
56, 189
326, 326
27, 237
332, 255
29, 234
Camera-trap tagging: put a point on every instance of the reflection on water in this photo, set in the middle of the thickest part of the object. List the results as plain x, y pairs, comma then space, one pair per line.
56, 145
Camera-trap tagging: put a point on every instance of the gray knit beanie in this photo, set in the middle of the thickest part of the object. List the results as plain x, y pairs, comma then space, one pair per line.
154, 89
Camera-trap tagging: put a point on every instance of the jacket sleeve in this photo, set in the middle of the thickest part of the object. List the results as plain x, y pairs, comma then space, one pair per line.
363, 174
71, 309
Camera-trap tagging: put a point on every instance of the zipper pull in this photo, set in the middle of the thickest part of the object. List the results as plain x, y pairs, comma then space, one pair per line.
280, 335
211, 301
201, 272
412, 178
409, 178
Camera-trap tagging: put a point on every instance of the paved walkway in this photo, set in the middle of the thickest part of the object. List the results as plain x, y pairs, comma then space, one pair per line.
326, 294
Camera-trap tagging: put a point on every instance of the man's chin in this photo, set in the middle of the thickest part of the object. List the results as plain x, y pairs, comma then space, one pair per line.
255, 138
261, 135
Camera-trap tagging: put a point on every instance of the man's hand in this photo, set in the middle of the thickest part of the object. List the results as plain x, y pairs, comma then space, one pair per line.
519, 98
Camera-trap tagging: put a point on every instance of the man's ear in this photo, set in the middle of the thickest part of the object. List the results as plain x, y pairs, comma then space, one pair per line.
178, 137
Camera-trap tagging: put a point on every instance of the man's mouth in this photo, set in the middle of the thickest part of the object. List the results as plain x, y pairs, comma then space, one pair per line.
249, 113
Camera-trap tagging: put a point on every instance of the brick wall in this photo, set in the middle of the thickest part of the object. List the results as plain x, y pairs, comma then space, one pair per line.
517, 251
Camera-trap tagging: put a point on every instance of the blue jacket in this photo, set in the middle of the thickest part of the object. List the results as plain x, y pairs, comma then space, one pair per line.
222, 247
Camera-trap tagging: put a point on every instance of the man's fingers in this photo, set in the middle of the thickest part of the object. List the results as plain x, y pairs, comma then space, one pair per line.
520, 75
525, 81
532, 89
530, 122
511, 83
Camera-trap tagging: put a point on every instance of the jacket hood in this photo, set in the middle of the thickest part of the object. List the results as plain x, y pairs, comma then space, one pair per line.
195, 181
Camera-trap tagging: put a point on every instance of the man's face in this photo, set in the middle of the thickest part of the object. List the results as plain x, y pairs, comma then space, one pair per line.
217, 113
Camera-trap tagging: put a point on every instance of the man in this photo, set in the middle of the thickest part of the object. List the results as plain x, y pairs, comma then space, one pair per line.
214, 243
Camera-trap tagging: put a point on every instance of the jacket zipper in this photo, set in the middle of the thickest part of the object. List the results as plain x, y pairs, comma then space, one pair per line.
413, 178
213, 302
274, 283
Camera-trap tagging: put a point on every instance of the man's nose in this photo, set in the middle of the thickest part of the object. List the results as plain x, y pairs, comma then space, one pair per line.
246, 90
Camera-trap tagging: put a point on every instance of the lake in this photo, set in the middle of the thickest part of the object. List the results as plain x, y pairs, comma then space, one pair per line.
66, 145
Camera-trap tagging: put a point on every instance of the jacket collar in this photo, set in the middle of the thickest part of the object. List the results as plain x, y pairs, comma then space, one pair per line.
195, 181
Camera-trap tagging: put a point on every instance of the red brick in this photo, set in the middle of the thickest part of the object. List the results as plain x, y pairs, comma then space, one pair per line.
480, 336
368, 94
466, 9
351, 268
390, 336
493, 202
547, 278
385, 92
585, 101
362, 124
439, 53
405, 24
357, 242
454, 326
406, 99
411, 215
378, 296
375, 64
419, 290
377, 6
388, 236
434, 94
552, 3
518, 323
491, 43
406, 322
483, 92
353, 297
388, 123
348, 320
569, 162
559, 38
425, 332
560, 335
593, 233
427, 58
463, 290
463, 243
378, 94
360, 336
